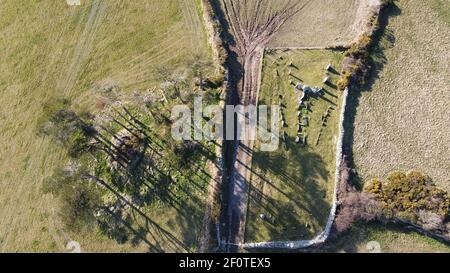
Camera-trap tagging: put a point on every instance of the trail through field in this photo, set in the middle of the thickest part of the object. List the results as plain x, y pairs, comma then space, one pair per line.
192, 20
252, 32
142, 67
83, 46
15, 209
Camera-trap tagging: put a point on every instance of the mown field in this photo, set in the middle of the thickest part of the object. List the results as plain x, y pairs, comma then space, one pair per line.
50, 50
337, 21
402, 118
293, 186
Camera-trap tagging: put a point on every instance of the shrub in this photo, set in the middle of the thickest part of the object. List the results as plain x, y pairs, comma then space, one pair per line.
79, 198
413, 197
430, 220
78, 207
359, 54
215, 81
184, 153
67, 128
211, 13
354, 205
344, 80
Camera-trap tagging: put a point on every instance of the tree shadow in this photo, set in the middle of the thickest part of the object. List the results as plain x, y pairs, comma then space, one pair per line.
333, 71
331, 85
138, 169
235, 75
285, 190
329, 93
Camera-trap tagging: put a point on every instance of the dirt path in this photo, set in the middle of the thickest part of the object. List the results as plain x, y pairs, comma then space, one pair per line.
252, 34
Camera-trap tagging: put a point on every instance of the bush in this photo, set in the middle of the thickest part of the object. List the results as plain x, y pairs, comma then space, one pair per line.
79, 198
78, 207
359, 55
356, 206
353, 205
184, 153
211, 13
78, 143
67, 128
344, 80
412, 197
215, 81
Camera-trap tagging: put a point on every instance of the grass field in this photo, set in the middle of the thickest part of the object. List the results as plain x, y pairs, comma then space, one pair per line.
293, 186
51, 50
391, 239
402, 118
339, 22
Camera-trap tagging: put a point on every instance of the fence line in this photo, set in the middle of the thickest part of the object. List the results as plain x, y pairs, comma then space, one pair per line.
323, 236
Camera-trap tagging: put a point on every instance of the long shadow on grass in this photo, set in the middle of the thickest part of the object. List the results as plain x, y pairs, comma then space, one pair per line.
285, 196
138, 185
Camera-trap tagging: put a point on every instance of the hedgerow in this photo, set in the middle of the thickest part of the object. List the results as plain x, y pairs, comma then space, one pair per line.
412, 197
358, 55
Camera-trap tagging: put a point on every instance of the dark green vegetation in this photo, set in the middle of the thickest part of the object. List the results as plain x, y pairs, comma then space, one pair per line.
292, 187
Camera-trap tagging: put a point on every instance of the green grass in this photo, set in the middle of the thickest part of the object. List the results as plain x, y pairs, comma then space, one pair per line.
293, 185
391, 238
49, 49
